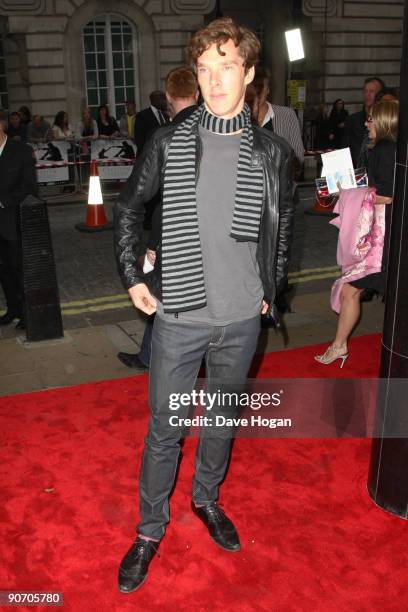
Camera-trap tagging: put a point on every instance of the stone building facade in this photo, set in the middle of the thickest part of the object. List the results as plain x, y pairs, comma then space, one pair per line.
345, 41
349, 40
64, 54
45, 57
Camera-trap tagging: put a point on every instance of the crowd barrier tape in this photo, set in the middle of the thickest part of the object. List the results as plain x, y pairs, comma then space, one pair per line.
56, 160
111, 162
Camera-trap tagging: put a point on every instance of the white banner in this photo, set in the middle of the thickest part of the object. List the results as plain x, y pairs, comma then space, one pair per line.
115, 153
53, 154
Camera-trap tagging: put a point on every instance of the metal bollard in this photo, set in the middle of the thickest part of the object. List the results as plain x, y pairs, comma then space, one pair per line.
42, 311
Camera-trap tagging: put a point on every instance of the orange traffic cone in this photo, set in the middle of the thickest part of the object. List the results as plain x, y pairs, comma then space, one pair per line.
96, 220
324, 204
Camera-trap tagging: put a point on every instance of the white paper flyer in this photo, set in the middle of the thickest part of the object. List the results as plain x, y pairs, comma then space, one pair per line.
338, 168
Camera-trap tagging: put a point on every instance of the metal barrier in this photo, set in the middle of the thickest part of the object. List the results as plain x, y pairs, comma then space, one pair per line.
63, 165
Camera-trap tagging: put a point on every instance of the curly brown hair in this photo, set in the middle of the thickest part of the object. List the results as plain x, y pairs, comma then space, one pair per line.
219, 32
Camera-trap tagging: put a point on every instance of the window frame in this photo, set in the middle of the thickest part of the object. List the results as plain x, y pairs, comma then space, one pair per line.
107, 19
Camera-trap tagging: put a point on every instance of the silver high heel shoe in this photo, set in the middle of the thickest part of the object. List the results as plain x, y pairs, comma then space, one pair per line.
332, 353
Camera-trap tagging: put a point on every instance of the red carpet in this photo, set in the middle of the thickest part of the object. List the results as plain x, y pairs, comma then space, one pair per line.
311, 538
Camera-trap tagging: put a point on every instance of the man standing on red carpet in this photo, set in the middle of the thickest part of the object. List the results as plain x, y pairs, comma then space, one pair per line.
223, 256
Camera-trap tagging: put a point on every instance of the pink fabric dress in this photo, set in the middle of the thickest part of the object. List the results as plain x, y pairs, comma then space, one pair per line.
361, 225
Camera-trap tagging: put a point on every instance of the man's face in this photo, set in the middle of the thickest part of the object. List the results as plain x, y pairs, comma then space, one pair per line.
370, 90
222, 80
15, 121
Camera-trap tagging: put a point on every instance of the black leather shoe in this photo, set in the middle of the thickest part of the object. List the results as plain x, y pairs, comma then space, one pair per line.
134, 566
219, 526
8, 317
132, 361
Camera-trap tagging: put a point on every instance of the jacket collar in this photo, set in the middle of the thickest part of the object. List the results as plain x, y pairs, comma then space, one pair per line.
184, 114
256, 152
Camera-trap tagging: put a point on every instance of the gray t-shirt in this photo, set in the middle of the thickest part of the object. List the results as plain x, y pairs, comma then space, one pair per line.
232, 283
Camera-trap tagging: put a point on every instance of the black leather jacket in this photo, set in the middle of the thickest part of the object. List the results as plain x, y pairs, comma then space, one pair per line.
270, 151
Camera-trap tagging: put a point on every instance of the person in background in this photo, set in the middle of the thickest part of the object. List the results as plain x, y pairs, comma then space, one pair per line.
384, 94
146, 122
25, 114
87, 128
16, 130
338, 116
283, 121
389, 93
107, 125
162, 106
18, 180
382, 125
61, 129
324, 138
149, 119
181, 94
279, 119
86, 131
127, 121
38, 130
355, 130
251, 98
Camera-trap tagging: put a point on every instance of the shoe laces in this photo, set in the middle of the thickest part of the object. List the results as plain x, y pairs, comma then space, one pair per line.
141, 548
215, 512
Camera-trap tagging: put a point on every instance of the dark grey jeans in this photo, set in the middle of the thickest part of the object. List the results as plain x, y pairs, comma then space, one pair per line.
177, 353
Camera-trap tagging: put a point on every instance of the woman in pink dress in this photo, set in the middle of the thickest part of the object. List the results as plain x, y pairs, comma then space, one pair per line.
382, 127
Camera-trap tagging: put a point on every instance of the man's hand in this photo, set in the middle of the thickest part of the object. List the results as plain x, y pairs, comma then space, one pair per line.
142, 298
265, 307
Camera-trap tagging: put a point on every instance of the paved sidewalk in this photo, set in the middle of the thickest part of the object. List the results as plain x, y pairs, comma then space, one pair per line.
89, 353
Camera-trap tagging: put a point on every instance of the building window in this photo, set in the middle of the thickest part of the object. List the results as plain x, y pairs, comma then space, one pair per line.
4, 104
110, 63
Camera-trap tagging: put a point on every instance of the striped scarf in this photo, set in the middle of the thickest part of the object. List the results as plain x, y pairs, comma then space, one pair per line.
182, 266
